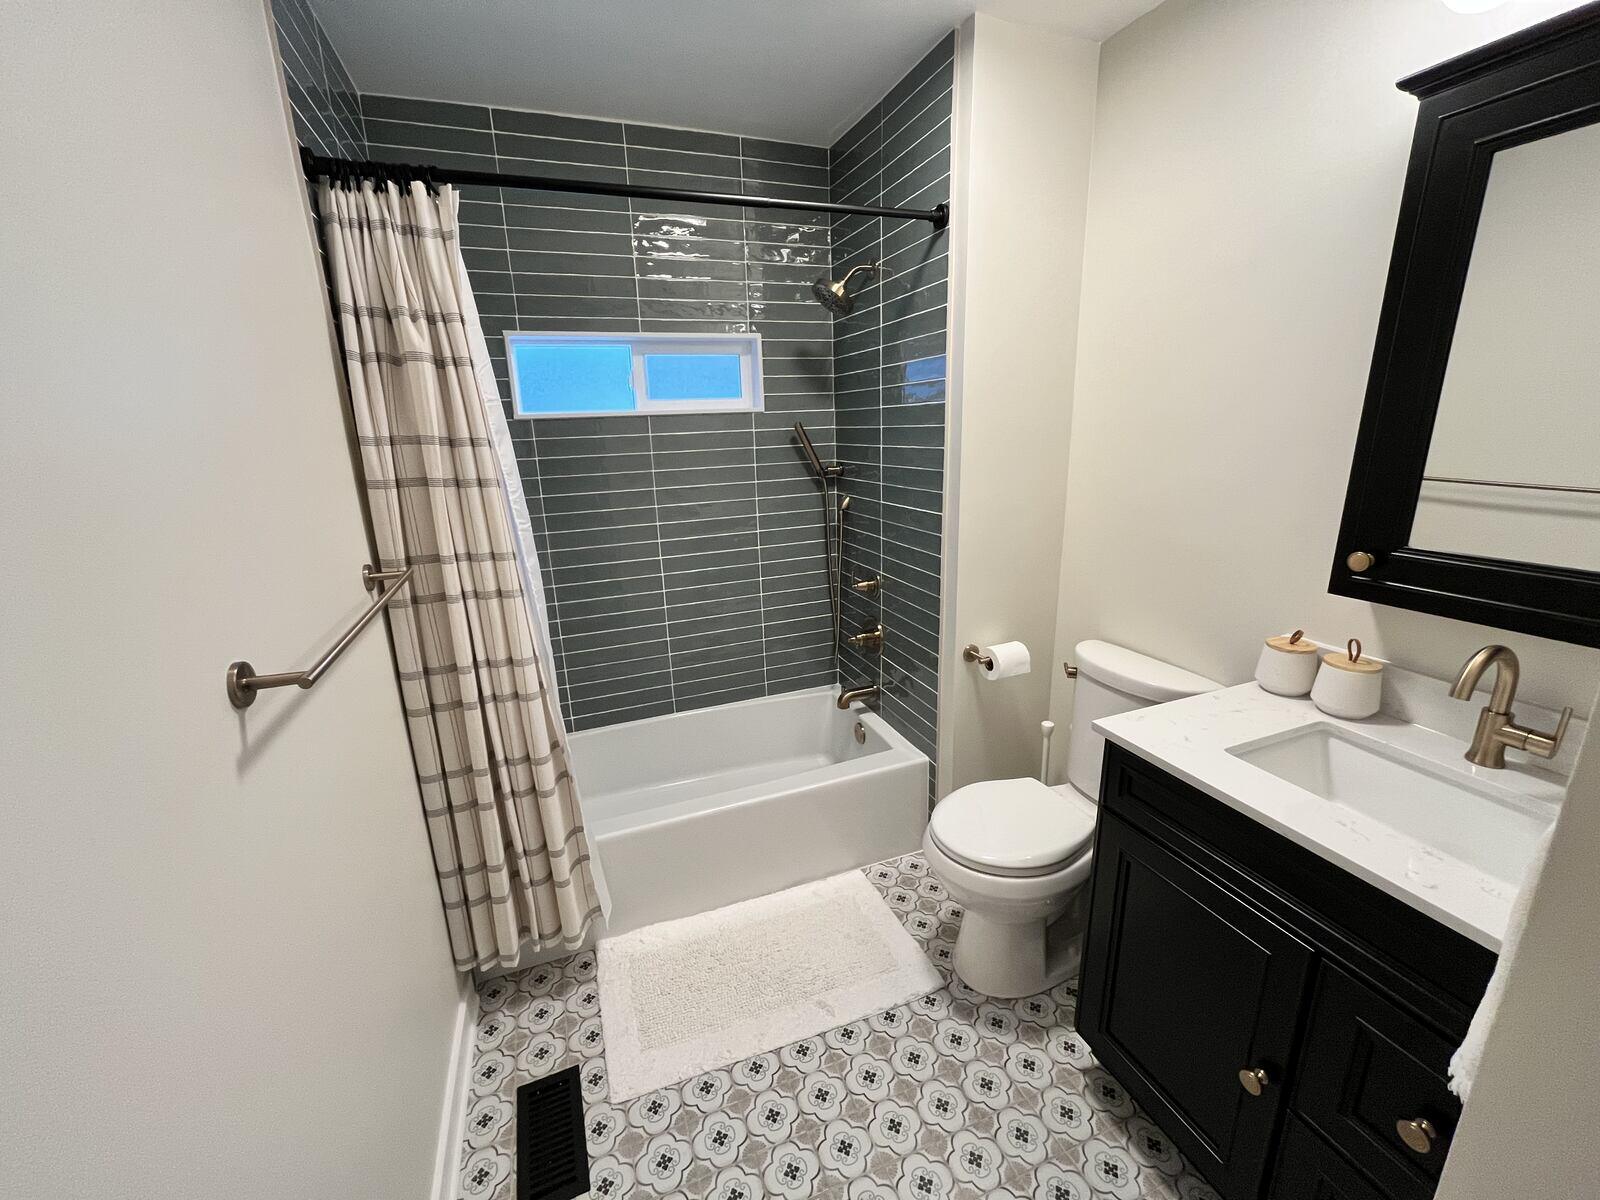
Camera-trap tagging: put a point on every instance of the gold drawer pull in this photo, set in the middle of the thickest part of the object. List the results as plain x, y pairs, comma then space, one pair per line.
1254, 1080
1418, 1135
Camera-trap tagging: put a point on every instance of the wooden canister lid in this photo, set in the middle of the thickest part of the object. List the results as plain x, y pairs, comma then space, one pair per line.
1351, 660
1293, 643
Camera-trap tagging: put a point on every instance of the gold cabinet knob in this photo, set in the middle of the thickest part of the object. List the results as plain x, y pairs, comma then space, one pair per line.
1359, 561
1417, 1134
1254, 1080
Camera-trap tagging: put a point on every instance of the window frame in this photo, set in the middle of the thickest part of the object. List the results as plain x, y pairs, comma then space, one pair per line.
746, 345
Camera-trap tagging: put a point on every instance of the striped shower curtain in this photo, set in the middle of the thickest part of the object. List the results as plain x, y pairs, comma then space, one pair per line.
480, 704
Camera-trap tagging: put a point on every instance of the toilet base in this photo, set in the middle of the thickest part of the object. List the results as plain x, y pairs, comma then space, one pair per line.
1012, 959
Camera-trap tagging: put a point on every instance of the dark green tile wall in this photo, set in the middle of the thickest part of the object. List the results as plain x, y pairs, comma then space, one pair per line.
682, 555
889, 386
323, 101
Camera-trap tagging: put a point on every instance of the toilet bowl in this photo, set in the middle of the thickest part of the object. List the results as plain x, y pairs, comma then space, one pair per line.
1016, 854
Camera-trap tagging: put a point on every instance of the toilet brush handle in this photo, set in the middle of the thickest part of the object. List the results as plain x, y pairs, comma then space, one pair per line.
1046, 728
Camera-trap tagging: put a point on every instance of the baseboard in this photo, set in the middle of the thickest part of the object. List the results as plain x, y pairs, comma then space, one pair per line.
457, 1089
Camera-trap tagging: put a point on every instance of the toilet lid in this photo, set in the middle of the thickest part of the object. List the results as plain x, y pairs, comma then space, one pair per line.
1013, 826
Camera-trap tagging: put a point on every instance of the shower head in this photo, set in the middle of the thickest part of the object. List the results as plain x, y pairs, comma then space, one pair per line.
835, 295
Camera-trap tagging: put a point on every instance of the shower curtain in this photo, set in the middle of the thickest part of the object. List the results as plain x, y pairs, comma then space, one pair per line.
474, 664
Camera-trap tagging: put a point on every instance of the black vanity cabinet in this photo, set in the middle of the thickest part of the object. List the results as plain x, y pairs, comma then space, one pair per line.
1288, 1025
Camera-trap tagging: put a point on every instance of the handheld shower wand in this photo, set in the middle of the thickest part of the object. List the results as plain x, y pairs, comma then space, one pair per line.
832, 524
810, 451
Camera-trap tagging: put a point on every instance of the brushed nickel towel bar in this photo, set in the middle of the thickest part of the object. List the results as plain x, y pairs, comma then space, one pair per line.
1506, 483
244, 683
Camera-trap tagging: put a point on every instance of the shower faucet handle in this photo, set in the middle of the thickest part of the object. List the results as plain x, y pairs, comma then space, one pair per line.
867, 639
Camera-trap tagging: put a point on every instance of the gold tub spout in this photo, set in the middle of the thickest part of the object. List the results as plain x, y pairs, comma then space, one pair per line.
847, 698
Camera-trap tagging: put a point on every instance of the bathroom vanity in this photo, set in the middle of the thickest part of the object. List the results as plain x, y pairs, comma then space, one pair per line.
1291, 922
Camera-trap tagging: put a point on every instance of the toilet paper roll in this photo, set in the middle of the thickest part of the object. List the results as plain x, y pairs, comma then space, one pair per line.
1006, 659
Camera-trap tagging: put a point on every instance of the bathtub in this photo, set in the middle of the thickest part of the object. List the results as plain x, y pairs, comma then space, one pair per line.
691, 811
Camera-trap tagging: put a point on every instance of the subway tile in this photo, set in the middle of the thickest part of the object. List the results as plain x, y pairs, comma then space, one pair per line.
535, 306
411, 156
540, 199
787, 152
573, 219
575, 285
513, 120
424, 112
568, 241
429, 137
644, 159
517, 147
661, 138
936, 64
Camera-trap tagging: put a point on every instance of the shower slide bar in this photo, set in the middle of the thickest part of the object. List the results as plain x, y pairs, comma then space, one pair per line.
244, 683
317, 166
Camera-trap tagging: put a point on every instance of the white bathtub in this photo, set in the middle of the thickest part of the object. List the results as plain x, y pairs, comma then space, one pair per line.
691, 811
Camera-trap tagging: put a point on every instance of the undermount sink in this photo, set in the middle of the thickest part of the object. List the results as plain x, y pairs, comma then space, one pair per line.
1467, 819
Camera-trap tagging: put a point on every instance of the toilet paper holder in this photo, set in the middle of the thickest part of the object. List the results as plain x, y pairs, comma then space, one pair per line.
972, 654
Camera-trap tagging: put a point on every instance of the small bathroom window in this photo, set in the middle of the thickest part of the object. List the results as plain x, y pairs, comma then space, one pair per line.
596, 374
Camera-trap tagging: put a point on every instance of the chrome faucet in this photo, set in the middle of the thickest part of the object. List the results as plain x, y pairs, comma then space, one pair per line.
1496, 723
848, 697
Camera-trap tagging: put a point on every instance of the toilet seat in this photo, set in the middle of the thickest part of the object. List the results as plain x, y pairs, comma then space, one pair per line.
1013, 827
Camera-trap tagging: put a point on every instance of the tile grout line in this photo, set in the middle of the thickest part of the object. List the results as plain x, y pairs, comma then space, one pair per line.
552, 600
650, 430
755, 449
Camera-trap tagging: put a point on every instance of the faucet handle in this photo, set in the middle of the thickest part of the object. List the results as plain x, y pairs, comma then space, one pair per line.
1545, 745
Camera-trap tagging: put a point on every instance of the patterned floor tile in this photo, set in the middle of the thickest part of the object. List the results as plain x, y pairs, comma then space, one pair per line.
955, 1096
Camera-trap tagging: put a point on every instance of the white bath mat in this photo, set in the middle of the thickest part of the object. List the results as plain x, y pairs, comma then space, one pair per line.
686, 996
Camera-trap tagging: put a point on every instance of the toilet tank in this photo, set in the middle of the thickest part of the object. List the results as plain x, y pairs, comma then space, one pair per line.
1114, 679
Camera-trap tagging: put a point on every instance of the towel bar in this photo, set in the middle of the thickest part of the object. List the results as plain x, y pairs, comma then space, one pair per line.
244, 683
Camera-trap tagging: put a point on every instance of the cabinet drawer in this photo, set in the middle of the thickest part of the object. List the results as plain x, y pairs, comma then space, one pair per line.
1367, 1066
1309, 1170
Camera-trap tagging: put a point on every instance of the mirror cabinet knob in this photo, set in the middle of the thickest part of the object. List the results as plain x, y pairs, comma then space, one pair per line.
1359, 561
1254, 1080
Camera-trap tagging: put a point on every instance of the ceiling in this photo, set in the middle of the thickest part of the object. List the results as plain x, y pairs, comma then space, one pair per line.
795, 70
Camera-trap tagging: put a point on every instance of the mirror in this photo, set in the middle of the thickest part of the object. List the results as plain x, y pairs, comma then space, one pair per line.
1475, 484
1513, 469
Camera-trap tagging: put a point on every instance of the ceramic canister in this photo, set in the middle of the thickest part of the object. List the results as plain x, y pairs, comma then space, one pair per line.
1288, 664
1348, 685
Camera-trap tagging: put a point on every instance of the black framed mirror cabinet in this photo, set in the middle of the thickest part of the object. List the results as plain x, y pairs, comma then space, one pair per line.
1475, 486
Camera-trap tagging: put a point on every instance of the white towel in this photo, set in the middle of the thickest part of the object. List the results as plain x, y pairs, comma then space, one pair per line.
1464, 1063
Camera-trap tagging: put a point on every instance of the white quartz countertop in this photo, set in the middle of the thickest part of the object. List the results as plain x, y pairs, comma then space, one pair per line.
1191, 739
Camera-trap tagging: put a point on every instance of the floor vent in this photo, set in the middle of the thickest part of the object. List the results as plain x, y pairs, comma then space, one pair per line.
552, 1159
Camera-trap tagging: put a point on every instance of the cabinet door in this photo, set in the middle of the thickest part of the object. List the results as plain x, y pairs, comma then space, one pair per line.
1185, 988
1308, 1170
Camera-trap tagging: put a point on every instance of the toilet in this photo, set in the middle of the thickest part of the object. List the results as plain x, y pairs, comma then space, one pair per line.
1016, 853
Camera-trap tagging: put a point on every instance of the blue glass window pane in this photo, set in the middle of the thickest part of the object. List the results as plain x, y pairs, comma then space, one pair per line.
576, 377
693, 376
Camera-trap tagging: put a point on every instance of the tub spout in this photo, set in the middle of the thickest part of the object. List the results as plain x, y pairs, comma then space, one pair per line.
849, 696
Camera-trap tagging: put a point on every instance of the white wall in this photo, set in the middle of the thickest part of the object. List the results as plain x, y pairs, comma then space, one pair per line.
1534, 1103
1248, 163
225, 969
1025, 111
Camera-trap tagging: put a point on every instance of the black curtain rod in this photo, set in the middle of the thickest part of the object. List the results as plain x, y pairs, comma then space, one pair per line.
317, 165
